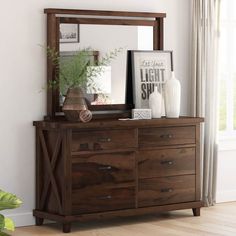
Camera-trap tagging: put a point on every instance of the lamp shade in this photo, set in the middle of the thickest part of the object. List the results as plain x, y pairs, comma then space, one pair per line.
101, 80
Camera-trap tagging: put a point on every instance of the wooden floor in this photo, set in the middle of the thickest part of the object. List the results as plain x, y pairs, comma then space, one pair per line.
217, 220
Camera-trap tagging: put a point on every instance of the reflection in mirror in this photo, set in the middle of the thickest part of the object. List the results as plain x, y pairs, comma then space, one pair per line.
104, 39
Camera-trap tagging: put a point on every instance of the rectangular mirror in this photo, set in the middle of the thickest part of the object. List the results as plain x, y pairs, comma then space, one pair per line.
70, 31
104, 39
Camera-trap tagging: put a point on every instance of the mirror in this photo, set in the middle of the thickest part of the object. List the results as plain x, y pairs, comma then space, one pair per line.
69, 30
103, 39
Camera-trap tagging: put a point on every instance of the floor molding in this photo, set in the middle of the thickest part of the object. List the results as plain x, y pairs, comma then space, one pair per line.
22, 219
226, 196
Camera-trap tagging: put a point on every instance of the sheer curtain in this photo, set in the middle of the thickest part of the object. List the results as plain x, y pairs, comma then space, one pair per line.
204, 88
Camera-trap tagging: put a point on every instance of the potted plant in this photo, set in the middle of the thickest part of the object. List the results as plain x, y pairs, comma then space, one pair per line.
7, 201
75, 75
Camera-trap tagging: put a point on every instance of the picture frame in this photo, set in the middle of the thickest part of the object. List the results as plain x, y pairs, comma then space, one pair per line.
150, 69
69, 33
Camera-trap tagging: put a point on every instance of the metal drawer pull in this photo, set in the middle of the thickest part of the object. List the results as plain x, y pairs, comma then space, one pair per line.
104, 168
166, 136
104, 140
105, 197
167, 163
167, 190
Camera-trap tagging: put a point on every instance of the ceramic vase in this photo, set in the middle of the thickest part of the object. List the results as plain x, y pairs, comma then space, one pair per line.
172, 97
74, 103
155, 103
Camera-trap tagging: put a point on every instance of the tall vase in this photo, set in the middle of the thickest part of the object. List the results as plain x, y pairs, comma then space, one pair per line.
172, 97
155, 103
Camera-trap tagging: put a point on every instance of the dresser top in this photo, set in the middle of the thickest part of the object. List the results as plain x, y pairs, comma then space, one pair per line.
115, 123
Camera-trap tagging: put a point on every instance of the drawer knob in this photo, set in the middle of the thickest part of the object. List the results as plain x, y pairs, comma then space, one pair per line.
104, 168
167, 190
167, 136
167, 163
105, 197
104, 140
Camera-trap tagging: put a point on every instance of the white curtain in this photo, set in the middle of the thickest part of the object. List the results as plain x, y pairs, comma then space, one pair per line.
204, 88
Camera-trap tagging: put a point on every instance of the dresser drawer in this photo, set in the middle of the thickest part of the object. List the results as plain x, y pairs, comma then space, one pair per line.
97, 199
103, 169
167, 190
103, 140
152, 137
166, 162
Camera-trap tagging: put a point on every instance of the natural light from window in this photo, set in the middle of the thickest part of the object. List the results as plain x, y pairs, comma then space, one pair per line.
227, 69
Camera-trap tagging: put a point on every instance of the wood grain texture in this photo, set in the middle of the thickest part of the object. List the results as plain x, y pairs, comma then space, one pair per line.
103, 140
101, 199
166, 136
112, 169
166, 190
52, 42
166, 162
53, 201
103, 13
116, 124
117, 213
67, 20
103, 169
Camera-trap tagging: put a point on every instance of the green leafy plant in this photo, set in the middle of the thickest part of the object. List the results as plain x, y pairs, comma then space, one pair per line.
7, 201
74, 72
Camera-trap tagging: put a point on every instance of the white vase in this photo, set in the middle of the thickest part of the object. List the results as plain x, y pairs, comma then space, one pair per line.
155, 103
163, 109
172, 97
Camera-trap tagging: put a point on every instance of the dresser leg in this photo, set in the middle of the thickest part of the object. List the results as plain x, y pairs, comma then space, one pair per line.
38, 221
66, 227
196, 211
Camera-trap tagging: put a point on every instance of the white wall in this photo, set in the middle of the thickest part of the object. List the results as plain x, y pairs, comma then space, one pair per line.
107, 38
23, 73
226, 174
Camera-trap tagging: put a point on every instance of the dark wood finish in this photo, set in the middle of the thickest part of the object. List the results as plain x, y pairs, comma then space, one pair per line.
57, 16
166, 162
166, 136
117, 124
160, 33
50, 178
166, 190
100, 199
39, 221
117, 213
110, 168
51, 72
67, 20
103, 13
198, 163
97, 169
196, 211
103, 140
66, 227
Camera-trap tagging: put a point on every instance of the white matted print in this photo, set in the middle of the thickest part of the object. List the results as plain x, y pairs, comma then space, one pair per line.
69, 33
150, 69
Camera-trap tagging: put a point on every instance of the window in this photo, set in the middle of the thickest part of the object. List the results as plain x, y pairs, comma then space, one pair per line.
227, 69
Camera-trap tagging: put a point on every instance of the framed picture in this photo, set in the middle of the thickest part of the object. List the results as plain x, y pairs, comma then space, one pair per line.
69, 33
150, 69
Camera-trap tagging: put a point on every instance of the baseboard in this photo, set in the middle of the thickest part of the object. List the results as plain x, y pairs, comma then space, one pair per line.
226, 196
22, 219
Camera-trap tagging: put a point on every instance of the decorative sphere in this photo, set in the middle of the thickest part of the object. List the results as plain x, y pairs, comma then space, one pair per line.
85, 116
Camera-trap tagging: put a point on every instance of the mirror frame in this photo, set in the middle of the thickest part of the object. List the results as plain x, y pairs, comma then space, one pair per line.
57, 16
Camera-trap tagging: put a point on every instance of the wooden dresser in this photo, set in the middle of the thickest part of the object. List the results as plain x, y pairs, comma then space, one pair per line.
112, 168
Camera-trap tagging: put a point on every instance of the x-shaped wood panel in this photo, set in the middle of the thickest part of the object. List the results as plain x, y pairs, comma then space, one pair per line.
50, 164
